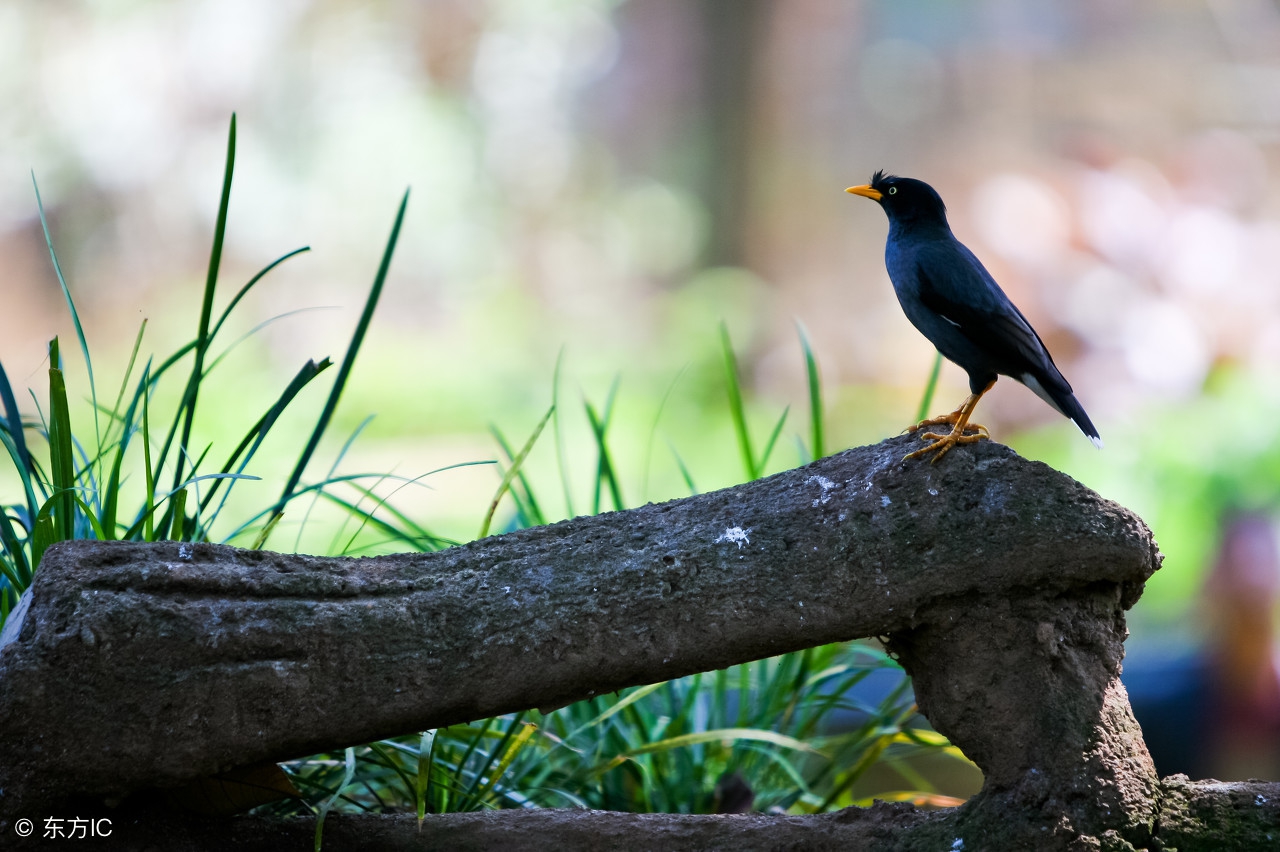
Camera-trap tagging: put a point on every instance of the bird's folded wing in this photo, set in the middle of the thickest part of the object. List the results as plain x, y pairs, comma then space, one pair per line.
955, 285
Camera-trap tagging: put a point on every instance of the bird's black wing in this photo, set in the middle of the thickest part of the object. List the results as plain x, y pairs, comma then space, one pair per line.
955, 285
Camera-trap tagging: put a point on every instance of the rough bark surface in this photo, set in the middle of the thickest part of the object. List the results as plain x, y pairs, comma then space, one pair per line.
1000, 582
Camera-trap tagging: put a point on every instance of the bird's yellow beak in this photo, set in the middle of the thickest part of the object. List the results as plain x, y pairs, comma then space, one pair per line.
866, 192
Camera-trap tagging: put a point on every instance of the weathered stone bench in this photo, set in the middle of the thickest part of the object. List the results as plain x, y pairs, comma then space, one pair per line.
999, 583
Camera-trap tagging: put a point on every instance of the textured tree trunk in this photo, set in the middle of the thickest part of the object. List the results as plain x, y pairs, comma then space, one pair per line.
1000, 583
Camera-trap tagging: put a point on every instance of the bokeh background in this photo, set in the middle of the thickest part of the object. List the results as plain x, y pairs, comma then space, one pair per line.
605, 182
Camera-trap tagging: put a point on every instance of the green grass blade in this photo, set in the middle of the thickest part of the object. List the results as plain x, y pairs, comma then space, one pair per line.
178, 513
779, 759
320, 486
255, 436
409, 532
88, 482
773, 438
386, 756
204, 477
114, 414
870, 754
62, 458
87, 513
927, 400
510, 750
150, 505
422, 780
625, 702
754, 734
511, 745
14, 561
476, 790
243, 291
7, 572
736, 409
71, 305
333, 470
231, 347
527, 507
44, 533
349, 772
261, 541
13, 425
348, 359
437, 793
605, 474
199, 461
153, 379
206, 305
23, 463
684, 470
817, 446
40, 423
653, 433
511, 473
561, 459
111, 498
166, 364
173, 504
367, 516
461, 765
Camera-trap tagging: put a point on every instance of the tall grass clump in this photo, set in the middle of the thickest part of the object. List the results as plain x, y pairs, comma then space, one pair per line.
80, 488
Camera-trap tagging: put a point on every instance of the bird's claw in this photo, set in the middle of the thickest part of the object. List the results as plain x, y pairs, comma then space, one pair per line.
942, 444
943, 420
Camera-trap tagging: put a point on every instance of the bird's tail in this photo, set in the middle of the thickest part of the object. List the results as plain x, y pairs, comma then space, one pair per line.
1058, 394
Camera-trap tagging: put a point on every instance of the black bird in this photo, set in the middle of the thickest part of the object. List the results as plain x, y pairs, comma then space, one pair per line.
952, 300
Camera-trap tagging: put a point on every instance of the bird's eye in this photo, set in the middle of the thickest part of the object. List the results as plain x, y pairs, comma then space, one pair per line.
893, 190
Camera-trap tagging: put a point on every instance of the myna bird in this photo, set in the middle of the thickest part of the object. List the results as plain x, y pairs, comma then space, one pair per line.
952, 300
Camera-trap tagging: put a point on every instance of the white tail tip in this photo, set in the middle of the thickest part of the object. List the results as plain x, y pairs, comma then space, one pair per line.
1097, 442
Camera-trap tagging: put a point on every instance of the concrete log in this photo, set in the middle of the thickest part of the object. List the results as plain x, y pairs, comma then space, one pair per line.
1000, 582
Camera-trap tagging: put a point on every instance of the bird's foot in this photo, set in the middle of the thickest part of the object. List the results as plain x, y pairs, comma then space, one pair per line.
942, 444
943, 420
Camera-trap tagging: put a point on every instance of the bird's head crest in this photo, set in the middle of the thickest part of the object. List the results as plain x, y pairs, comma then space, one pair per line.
880, 177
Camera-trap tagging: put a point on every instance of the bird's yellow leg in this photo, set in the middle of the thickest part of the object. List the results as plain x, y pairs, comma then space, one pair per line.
960, 418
